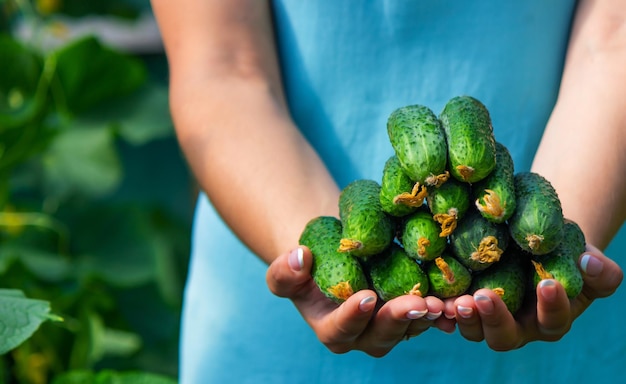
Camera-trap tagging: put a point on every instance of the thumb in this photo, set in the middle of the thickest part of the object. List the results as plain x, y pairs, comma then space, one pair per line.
601, 275
290, 273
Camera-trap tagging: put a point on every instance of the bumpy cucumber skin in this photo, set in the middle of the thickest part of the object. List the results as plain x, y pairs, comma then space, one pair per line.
466, 238
574, 242
418, 140
452, 194
394, 274
564, 269
363, 218
501, 182
469, 134
442, 288
395, 182
538, 214
330, 267
510, 274
417, 226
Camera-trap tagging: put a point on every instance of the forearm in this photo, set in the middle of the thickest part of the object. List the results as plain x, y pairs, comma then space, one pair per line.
259, 172
233, 125
582, 151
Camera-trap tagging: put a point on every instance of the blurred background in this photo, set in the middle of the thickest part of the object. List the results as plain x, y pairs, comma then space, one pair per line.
95, 197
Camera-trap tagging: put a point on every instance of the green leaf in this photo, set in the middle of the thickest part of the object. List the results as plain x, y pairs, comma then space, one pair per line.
83, 160
112, 377
20, 101
138, 117
47, 266
90, 73
118, 245
20, 317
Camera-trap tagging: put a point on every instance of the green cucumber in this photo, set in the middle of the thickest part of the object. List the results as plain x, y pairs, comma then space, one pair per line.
394, 274
495, 195
338, 275
418, 140
367, 229
448, 204
469, 134
561, 267
537, 223
508, 278
574, 242
477, 242
419, 235
395, 184
448, 277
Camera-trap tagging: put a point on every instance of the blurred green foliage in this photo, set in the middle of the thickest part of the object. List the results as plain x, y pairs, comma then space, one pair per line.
95, 206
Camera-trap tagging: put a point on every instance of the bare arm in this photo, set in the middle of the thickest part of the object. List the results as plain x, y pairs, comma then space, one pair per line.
583, 150
233, 125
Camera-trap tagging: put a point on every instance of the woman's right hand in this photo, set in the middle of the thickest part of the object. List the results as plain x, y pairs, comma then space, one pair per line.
359, 323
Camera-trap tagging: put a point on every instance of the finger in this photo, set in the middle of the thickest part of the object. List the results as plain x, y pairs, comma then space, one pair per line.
439, 314
554, 317
500, 329
467, 318
289, 273
396, 320
601, 274
340, 329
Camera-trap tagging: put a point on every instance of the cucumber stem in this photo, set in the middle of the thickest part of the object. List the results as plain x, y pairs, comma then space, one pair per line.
415, 198
447, 221
445, 269
541, 271
487, 251
437, 180
416, 290
465, 171
422, 243
534, 241
492, 204
342, 290
347, 245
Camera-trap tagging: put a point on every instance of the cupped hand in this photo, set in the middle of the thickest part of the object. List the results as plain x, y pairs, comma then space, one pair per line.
546, 317
361, 322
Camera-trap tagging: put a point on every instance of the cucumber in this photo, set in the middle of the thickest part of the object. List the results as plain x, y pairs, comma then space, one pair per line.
394, 273
419, 235
478, 243
561, 267
395, 184
574, 242
367, 229
508, 278
419, 142
537, 223
469, 134
448, 204
338, 275
495, 195
447, 277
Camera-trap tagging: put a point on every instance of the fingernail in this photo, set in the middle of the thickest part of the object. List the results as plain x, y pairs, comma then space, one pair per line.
415, 314
449, 316
433, 315
464, 312
484, 304
592, 266
547, 287
296, 259
367, 304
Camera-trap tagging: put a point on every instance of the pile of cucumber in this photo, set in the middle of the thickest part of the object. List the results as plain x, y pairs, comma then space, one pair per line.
449, 216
